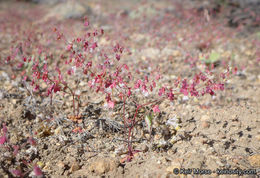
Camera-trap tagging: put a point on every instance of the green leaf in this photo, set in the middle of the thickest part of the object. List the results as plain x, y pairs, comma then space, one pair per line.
213, 57
148, 120
258, 35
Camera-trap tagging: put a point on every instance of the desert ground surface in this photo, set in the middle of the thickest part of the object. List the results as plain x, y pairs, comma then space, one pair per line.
212, 134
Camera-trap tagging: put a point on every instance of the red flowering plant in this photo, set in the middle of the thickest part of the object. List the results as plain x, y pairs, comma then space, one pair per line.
102, 67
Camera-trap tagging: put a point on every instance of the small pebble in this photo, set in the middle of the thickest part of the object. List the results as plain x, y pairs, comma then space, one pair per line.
205, 124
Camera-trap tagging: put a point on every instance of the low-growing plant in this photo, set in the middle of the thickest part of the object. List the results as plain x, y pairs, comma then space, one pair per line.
106, 73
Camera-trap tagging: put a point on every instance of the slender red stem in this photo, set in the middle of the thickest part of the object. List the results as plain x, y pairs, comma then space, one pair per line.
71, 92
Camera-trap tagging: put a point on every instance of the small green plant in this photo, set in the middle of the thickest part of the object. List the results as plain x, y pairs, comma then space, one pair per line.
211, 59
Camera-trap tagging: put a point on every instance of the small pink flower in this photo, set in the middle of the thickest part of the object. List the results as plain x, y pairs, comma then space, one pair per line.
151, 88
70, 71
138, 84
17, 173
20, 65
146, 79
235, 71
94, 46
56, 87
126, 67
111, 104
89, 64
25, 78
129, 92
161, 91
37, 171
36, 88
156, 109
203, 77
69, 47
144, 88
78, 40
8, 59
170, 96
209, 91
2, 139
117, 57
45, 76
102, 31
86, 22
184, 91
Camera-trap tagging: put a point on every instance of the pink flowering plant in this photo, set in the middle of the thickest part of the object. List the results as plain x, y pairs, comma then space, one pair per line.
21, 155
106, 73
